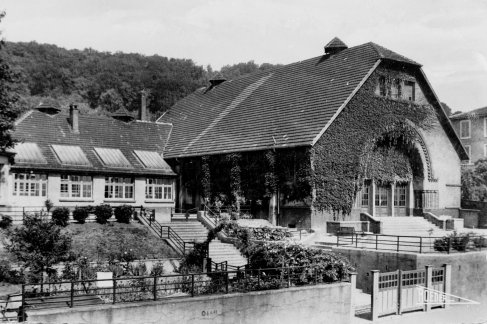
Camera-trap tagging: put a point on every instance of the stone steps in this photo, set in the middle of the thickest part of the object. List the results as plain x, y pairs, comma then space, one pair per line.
221, 252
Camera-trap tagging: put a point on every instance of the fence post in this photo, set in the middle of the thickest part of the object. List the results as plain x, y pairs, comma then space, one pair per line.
375, 295
446, 283
449, 244
420, 244
23, 296
258, 279
72, 294
154, 287
376, 241
398, 244
338, 239
114, 290
428, 283
192, 285
226, 281
356, 240
399, 291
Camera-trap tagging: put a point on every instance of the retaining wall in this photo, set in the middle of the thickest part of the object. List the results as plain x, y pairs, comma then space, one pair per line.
310, 304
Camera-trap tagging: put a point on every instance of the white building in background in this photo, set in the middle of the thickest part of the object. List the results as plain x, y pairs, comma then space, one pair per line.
79, 160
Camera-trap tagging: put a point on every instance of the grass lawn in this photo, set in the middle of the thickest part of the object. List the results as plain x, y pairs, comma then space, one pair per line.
97, 242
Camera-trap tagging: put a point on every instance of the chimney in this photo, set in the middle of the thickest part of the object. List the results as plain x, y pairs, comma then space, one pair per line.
143, 106
335, 46
73, 118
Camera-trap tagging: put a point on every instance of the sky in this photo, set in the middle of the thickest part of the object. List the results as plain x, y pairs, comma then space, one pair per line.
448, 37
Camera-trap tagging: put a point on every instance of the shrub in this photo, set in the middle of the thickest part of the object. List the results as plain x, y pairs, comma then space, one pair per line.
80, 214
60, 216
441, 244
8, 275
157, 269
103, 213
123, 213
6, 221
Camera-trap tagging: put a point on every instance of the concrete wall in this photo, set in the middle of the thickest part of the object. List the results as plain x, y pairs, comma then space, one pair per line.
481, 206
311, 304
468, 269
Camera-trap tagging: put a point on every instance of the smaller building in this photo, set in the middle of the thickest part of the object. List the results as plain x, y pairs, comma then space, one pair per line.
471, 128
79, 160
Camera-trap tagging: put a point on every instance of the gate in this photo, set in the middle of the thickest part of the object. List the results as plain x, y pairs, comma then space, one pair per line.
402, 291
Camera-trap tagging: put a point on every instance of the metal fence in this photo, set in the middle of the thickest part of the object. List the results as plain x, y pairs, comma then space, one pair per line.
415, 244
131, 289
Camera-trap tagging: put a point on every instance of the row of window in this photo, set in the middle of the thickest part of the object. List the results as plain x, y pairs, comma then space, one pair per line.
466, 128
74, 186
398, 89
381, 196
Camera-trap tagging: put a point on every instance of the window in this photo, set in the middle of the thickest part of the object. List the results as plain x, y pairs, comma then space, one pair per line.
381, 196
365, 195
119, 188
409, 94
160, 189
465, 129
382, 87
485, 127
75, 186
400, 195
467, 148
30, 184
396, 89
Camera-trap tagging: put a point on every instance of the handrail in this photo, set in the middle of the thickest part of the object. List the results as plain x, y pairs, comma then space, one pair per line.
171, 234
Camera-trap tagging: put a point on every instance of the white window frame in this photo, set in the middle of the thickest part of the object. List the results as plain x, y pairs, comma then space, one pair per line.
159, 189
467, 122
485, 127
32, 184
69, 183
119, 188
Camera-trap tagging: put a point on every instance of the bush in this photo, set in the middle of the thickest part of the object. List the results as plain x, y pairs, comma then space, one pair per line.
80, 214
60, 216
6, 221
441, 244
8, 275
123, 213
103, 213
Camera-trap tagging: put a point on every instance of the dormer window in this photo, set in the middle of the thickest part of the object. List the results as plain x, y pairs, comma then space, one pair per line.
382, 87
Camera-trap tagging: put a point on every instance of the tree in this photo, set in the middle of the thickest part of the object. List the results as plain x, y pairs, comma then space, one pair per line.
446, 108
39, 245
8, 109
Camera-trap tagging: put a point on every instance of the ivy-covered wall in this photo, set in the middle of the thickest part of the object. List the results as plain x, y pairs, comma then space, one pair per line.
373, 138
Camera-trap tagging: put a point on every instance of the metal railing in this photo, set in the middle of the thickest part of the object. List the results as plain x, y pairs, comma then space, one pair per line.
186, 212
165, 232
145, 288
415, 244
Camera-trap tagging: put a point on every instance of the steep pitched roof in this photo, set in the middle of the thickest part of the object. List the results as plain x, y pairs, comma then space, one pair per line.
94, 132
476, 113
285, 107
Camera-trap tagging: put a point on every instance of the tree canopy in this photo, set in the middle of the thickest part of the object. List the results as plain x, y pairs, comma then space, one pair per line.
107, 81
8, 108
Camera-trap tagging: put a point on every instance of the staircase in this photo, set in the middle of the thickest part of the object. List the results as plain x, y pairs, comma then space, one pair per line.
220, 252
189, 231
410, 226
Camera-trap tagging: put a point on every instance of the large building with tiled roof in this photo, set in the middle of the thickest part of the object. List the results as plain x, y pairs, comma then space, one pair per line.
471, 127
290, 109
75, 160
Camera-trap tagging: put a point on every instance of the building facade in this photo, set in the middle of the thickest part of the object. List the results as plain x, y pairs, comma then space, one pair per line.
471, 128
310, 126
79, 160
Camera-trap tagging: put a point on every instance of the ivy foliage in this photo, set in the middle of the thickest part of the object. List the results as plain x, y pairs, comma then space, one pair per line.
373, 138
